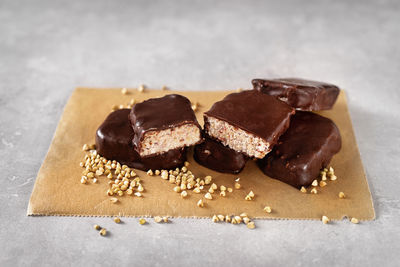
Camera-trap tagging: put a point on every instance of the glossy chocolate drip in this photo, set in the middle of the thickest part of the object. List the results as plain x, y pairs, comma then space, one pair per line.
305, 148
114, 142
162, 113
214, 155
301, 94
254, 112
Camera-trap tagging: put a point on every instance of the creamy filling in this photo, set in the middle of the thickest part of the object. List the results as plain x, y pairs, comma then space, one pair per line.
236, 138
157, 142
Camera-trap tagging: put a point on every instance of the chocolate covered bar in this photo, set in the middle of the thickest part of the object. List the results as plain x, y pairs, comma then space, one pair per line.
162, 124
301, 94
249, 122
214, 155
114, 142
305, 148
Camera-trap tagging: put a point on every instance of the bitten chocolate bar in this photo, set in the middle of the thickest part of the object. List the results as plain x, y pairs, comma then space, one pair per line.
249, 122
162, 124
114, 142
214, 155
306, 147
301, 94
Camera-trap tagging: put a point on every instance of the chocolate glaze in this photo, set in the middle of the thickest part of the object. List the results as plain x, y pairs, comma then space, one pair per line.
305, 148
214, 155
301, 94
254, 112
162, 113
114, 142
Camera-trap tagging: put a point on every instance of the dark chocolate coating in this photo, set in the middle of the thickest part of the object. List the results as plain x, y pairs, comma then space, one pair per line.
114, 142
114, 138
169, 160
162, 113
254, 112
214, 155
301, 94
307, 146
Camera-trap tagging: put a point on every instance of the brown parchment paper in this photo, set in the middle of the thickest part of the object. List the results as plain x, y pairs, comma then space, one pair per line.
58, 190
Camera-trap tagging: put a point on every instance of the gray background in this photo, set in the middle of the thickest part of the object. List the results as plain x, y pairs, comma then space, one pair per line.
47, 48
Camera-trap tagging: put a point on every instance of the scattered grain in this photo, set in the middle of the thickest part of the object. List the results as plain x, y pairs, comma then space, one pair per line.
141, 88
177, 189
238, 219
215, 218
314, 191
164, 174
246, 220
251, 225
184, 194
267, 209
221, 217
103, 232
200, 203
354, 220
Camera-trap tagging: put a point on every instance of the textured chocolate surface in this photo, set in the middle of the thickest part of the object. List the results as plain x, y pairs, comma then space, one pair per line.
254, 112
114, 141
214, 155
162, 113
301, 94
305, 148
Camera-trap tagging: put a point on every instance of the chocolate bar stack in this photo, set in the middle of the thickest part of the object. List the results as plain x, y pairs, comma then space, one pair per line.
311, 140
261, 123
153, 135
247, 123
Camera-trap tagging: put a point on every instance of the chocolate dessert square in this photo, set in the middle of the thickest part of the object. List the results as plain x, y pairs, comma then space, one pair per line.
114, 142
162, 124
299, 93
249, 122
214, 155
306, 147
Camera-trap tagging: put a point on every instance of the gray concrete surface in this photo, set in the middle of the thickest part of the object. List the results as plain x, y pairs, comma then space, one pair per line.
49, 47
